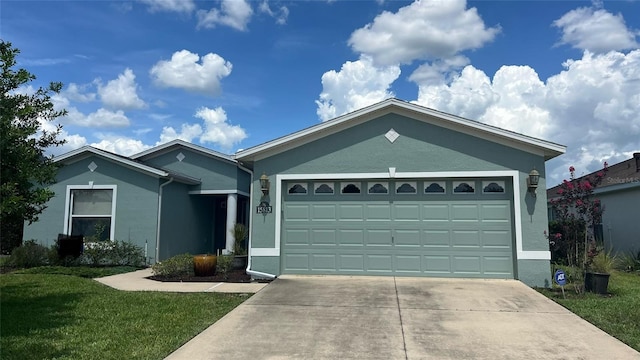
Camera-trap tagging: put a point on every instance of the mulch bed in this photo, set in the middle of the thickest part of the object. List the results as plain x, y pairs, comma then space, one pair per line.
233, 276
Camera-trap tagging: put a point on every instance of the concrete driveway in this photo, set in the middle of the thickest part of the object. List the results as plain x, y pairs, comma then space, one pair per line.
331, 317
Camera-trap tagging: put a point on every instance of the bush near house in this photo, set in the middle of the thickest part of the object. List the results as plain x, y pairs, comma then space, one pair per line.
176, 266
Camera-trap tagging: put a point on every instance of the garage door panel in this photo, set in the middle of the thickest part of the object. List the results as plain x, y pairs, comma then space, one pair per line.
466, 264
407, 238
378, 237
323, 237
296, 237
350, 212
465, 238
296, 212
322, 212
491, 213
378, 212
436, 264
435, 213
351, 237
323, 262
496, 239
406, 212
379, 263
408, 264
497, 265
296, 262
436, 238
351, 262
465, 213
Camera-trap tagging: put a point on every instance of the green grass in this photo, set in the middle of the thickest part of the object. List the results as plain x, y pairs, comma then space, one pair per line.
81, 271
54, 316
618, 314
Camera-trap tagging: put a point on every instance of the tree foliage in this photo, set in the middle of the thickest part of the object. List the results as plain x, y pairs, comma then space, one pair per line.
26, 170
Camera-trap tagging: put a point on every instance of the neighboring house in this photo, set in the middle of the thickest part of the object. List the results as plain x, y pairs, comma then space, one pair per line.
390, 189
619, 193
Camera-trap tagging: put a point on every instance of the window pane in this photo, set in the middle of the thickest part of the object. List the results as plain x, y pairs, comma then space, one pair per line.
92, 228
92, 202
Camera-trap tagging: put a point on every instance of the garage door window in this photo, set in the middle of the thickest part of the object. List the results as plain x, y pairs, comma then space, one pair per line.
350, 188
298, 189
493, 187
378, 188
323, 188
406, 188
463, 188
435, 188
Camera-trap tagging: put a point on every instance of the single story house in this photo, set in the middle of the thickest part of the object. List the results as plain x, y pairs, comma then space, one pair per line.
391, 189
619, 193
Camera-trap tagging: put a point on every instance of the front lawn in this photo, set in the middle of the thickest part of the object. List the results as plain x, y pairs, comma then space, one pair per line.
617, 314
47, 316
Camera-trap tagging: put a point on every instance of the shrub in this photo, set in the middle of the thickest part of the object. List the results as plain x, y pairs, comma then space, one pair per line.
630, 261
116, 253
29, 254
225, 262
179, 265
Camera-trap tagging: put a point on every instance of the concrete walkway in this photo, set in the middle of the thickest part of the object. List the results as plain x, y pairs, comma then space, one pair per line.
330, 317
136, 281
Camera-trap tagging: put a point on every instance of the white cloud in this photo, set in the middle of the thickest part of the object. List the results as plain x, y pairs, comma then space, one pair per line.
188, 132
593, 106
73, 142
280, 15
188, 71
596, 30
120, 144
356, 85
180, 6
217, 130
101, 118
78, 93
429, 29
233, 13
121, 93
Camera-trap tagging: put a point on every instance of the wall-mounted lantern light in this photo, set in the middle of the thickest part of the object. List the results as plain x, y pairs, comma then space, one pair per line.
532, 181
264, 184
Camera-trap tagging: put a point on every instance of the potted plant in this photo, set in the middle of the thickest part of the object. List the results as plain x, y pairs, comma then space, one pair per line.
204, 264
240, 234
599, 268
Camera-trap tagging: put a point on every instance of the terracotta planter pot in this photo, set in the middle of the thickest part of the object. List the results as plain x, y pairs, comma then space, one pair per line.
204, 264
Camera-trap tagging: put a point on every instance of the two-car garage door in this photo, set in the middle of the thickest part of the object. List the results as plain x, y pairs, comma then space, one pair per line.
444, 228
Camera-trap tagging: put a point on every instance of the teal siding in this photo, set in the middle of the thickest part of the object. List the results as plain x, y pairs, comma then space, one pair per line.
186, 222
620, 219
136, 202
215, 174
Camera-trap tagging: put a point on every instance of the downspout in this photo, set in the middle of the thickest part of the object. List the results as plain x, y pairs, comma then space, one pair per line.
159, 217
253, 273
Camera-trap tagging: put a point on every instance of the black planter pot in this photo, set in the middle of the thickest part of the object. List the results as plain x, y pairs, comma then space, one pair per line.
239, 262
597, 283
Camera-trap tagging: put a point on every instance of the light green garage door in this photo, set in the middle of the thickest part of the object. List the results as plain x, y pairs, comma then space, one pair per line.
444, 228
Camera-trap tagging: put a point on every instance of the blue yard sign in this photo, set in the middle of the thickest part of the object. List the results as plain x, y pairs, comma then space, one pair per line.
560, 279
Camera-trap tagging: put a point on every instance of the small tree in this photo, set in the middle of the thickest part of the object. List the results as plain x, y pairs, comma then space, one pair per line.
26, 171
579, 213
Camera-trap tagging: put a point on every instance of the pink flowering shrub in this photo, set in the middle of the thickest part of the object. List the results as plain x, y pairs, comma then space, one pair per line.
571, 238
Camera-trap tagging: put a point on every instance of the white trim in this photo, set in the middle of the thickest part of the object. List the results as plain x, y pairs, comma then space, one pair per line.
218, 192
265, 252
159, 149
112, 157
534, 255
91, 186
513, 174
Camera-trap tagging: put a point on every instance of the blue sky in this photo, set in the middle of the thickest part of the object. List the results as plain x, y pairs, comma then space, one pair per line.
233, 74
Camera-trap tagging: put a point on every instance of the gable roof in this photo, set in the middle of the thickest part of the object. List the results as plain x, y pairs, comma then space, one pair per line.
85, 151
171, 145
475, 128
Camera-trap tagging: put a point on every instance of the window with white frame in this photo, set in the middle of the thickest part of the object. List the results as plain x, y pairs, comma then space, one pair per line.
91, 212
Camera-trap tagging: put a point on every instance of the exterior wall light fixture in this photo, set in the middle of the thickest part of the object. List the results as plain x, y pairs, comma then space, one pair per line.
264, 184
532, 181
